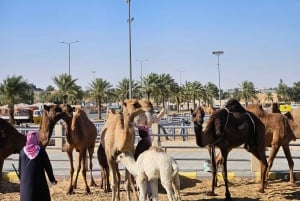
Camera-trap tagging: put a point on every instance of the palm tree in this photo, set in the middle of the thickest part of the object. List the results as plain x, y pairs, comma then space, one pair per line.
269, 97
193, 91
210, 91
149, 84
282, 91
247, 91
68, 91
14, 90
165, 84
122, 89
98, 90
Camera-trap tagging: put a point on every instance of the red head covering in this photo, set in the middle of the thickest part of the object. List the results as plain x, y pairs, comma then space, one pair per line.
32, 147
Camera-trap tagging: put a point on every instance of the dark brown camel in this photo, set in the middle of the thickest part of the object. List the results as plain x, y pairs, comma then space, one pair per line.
279, 133
229, 128
11, 141
118, 135
81, 135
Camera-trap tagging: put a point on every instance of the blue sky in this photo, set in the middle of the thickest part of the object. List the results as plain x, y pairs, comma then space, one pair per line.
260, 40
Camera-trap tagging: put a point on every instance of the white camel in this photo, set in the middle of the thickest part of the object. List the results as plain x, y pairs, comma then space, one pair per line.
151, 165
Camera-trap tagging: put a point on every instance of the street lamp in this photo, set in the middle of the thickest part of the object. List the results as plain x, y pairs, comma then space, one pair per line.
129, 20
180, 72
218, 53
69, 44
141, 62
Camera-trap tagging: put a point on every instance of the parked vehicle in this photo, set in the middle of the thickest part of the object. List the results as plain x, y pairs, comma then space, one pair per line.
21, 115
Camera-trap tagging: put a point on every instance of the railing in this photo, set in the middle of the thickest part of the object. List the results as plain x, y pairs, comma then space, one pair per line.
159, 131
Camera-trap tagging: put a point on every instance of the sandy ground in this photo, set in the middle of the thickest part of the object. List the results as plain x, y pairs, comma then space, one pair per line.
191, 189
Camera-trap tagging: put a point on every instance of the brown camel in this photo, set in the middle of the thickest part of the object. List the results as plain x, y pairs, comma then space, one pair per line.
11, 141
81, 136
279, 133
226, 129
209, 109
118, 135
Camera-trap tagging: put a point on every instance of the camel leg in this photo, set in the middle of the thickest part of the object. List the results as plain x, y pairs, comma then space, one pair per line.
1, 167
78, 170
142, 184
106, 179
225, 177
168, 187
176, 187
102, 181
83, 171
214, 171
289, 158
115, 180
70, 156
261, 156
272, 156
91, 152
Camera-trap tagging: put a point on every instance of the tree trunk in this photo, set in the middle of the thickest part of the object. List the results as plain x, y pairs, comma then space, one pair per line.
99, 107
11, 114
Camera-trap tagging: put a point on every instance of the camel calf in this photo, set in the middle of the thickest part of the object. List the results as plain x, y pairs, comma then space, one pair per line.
151, 165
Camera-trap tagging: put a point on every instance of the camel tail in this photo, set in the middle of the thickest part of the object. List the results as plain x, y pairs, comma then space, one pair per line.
175, 168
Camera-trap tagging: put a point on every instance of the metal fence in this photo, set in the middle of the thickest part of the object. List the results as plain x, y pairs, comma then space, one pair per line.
174, 132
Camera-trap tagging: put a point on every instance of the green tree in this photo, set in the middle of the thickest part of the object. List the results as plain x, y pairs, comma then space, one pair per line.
247, 91
122, 89
67, 91
165, 84
149, 84
14, 90
98, 90
282, 91
269, 97
210, 91
46, 95
294, 92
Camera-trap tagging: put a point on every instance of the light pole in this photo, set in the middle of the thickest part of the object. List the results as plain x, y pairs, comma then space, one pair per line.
69, 44
93, 71
129, 20
218, 53
141, 62
180, 72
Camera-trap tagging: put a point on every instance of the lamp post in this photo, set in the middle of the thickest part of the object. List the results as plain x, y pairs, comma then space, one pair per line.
218, 53
129, 20
141, 62
93, 71
180, 73
69, 44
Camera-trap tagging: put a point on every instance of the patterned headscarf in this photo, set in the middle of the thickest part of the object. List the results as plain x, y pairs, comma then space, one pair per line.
32, 147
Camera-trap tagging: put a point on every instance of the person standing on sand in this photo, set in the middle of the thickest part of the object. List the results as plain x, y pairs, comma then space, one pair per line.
33, 162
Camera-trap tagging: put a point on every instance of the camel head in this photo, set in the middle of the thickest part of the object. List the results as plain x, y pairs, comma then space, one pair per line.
233, 105
52, 114
198, 119
134, 107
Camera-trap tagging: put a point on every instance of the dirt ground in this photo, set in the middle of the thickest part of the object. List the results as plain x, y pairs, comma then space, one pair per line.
191, 189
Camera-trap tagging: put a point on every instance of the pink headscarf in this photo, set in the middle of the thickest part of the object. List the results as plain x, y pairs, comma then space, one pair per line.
32, 147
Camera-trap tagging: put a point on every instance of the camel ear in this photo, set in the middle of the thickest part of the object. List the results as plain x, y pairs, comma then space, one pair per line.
124, 103
46, 107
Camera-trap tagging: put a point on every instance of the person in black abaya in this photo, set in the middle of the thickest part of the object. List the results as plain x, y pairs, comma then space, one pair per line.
33, 163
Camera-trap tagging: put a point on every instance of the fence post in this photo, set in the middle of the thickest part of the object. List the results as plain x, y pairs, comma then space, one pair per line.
59, 132
156, 130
